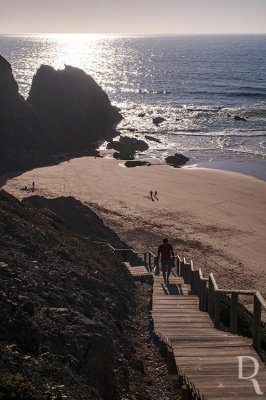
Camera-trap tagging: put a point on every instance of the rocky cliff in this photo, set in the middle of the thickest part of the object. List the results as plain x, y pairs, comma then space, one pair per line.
66, 112
64, 302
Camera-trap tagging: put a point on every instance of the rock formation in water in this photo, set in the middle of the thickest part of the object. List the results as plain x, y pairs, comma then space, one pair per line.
127, 147
66, 112
158, 120
178, 160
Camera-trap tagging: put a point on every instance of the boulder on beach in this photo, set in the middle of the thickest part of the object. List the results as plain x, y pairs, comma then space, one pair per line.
124, 155
178, 160
127, 147
141, 115
158, 120
132, 164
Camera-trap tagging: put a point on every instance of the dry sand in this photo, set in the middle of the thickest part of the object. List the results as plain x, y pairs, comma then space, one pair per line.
214, 217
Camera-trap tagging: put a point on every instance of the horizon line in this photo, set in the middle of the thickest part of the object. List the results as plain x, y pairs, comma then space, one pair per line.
134, 34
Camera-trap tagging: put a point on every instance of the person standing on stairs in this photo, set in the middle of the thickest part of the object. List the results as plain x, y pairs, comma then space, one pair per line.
165, 250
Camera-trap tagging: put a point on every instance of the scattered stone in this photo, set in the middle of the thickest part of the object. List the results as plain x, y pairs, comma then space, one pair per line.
178, 160
158, 120
141, 115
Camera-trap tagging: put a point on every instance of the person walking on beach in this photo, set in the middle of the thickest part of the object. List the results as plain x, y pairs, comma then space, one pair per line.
33, 186
151, 194
155, 195
165, 250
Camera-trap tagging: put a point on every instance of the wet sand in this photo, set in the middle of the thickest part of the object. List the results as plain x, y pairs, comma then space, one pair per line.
216, 218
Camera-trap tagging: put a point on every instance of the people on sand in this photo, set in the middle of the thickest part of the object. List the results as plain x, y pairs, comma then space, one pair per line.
154, 196
33, 186
166, 252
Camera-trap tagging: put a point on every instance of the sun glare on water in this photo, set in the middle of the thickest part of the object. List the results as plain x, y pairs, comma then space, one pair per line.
78, 50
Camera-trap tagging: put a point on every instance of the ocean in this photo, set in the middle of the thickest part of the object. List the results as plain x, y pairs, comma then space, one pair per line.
199, 84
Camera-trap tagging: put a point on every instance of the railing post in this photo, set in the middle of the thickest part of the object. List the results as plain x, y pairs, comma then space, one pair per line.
145, 259
149, 261
256, 323
185, 272
210, 298
178, 272
233, 313
197, 282
203, 295
217, 309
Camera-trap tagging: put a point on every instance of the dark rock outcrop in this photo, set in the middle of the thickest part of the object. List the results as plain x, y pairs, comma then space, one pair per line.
127, 147
132, 164
74, 101
66, 112
158, 120
64, 301
178, 160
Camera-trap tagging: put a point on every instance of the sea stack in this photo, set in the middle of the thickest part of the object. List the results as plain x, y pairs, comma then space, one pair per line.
66, 112
74, 101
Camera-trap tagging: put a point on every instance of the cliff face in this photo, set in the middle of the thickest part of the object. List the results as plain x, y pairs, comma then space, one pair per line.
66, 112
18, 122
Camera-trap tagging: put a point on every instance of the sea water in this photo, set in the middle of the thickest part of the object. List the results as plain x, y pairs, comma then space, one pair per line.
199, 84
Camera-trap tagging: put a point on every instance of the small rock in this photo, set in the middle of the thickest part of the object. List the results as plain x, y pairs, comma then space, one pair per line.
237, 118
141, 115
158, 120
152, 138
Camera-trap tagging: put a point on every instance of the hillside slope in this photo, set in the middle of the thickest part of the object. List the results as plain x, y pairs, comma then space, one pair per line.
64, 303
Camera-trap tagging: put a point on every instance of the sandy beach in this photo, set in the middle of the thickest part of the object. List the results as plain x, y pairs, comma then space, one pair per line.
213, 217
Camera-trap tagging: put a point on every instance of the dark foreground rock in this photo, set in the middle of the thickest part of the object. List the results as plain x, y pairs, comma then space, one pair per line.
64, 301
127, 147
158, 120
132, 164
66, 112
178, 160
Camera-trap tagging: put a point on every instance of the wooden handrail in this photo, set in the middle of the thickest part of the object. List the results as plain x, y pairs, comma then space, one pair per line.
210, 294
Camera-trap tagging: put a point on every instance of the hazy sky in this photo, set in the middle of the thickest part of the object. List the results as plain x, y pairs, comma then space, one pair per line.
133, 16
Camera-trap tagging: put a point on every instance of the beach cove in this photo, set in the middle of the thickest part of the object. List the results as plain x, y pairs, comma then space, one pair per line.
213, 217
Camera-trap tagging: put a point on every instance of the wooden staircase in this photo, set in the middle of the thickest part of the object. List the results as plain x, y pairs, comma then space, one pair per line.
205, 358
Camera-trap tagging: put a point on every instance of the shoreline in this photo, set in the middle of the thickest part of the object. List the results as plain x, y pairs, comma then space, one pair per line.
214, 217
